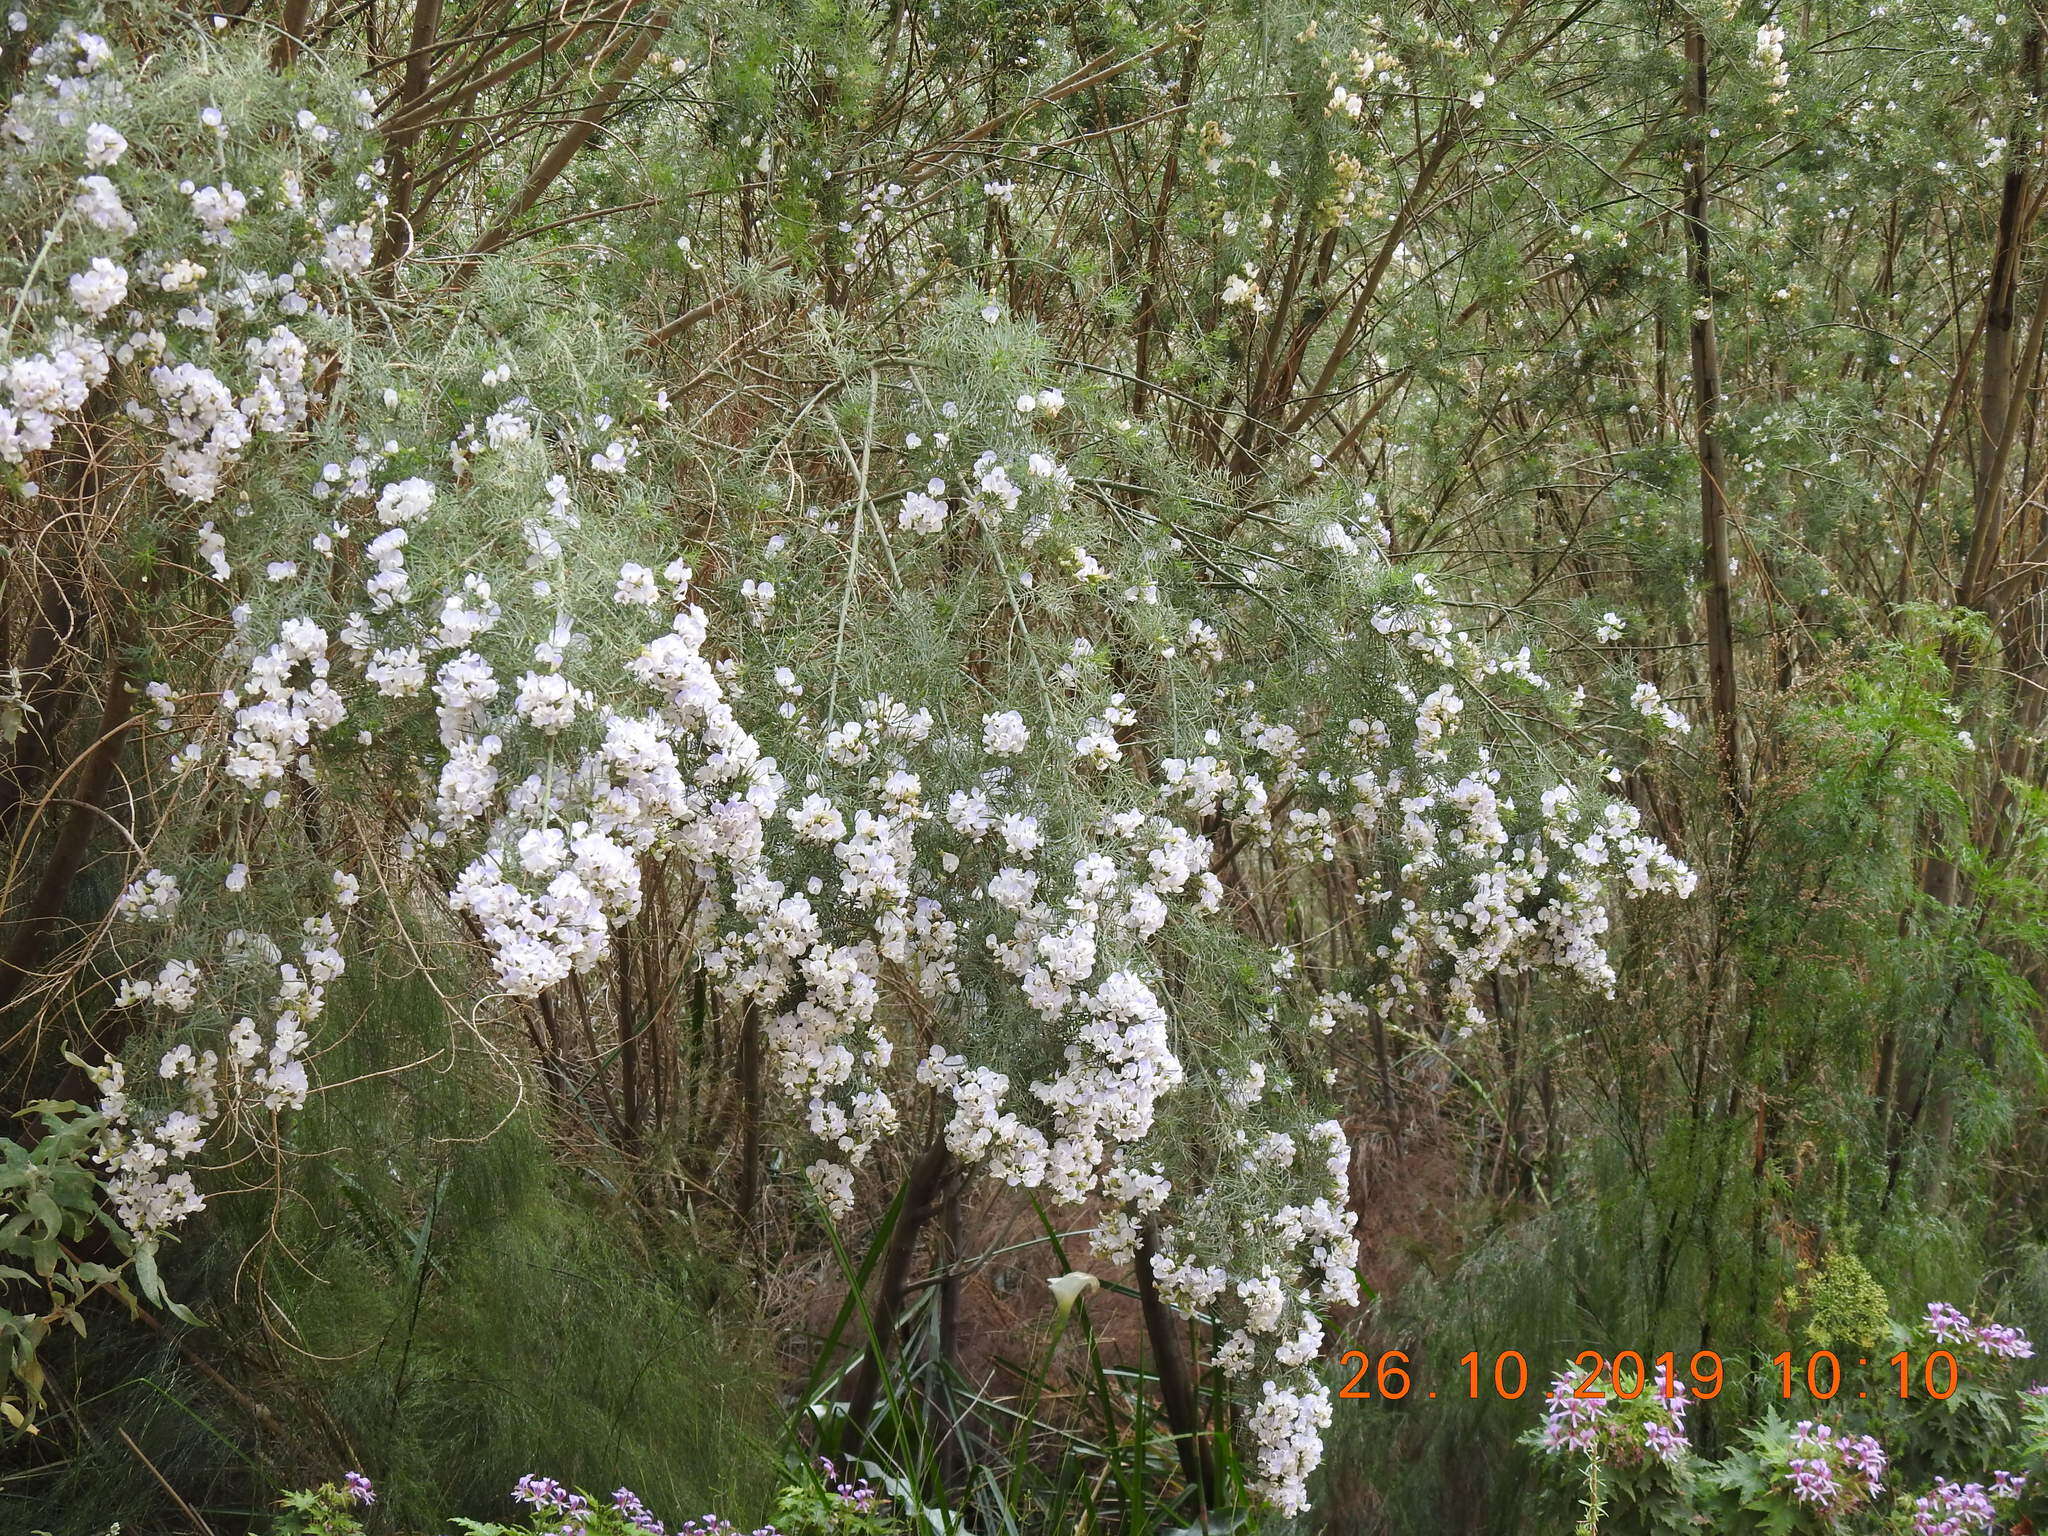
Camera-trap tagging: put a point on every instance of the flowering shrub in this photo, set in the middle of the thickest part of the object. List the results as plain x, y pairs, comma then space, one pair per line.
1634, 1451
1615, 1429
1883, 1464
160, 339
959, 779
1831, 1471
332, 1509
827, 1504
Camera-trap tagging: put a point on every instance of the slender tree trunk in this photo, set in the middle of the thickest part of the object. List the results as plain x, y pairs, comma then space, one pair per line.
1177, 1395
919, 1203
1995, 417
398, 232
291, 32
1706, 386
631, 1120
1148, 322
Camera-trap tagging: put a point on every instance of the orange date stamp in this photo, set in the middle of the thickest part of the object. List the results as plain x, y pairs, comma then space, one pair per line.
1821, 1375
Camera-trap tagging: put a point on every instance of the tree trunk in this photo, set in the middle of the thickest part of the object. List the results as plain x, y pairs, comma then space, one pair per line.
919, 1203
1177, 1395
1706, 388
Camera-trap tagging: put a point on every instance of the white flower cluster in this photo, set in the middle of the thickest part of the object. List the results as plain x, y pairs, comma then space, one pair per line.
152, 899
1242, 290
1287, 1429
890, 885
1769, 58
1650, 704
203, 399
91, 351
142, 1146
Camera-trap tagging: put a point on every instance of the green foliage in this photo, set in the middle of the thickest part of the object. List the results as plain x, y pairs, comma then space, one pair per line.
56, 1204
448, 1309
1846, 1308
487, 1313
324, 1511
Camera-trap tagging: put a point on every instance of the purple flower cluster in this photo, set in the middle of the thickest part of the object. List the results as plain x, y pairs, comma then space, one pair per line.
1949, 1325
573, 1511
1666, 1437
550, 1498
1666, 1443
1813, 1481
1574, 1423
1954, 1509
1865, 1457
628, 1503
2010, 1343
544, 1493
1570, 1422
1827, 1469
357, 1487
859, 1493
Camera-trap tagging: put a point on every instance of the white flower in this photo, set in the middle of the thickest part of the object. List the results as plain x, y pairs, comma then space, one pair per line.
180, 276
405, 501
834, 1185
1097, 746
1004, 734
218, 207
152, 899
99, 204
922, 513
636, 588
348, 249
176, 986
104, 146
506, 429
397, 673
546, 700
99, 287
1649, 703
1071, 1287
817, 820
1020, 834
968, 813
1243, 289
